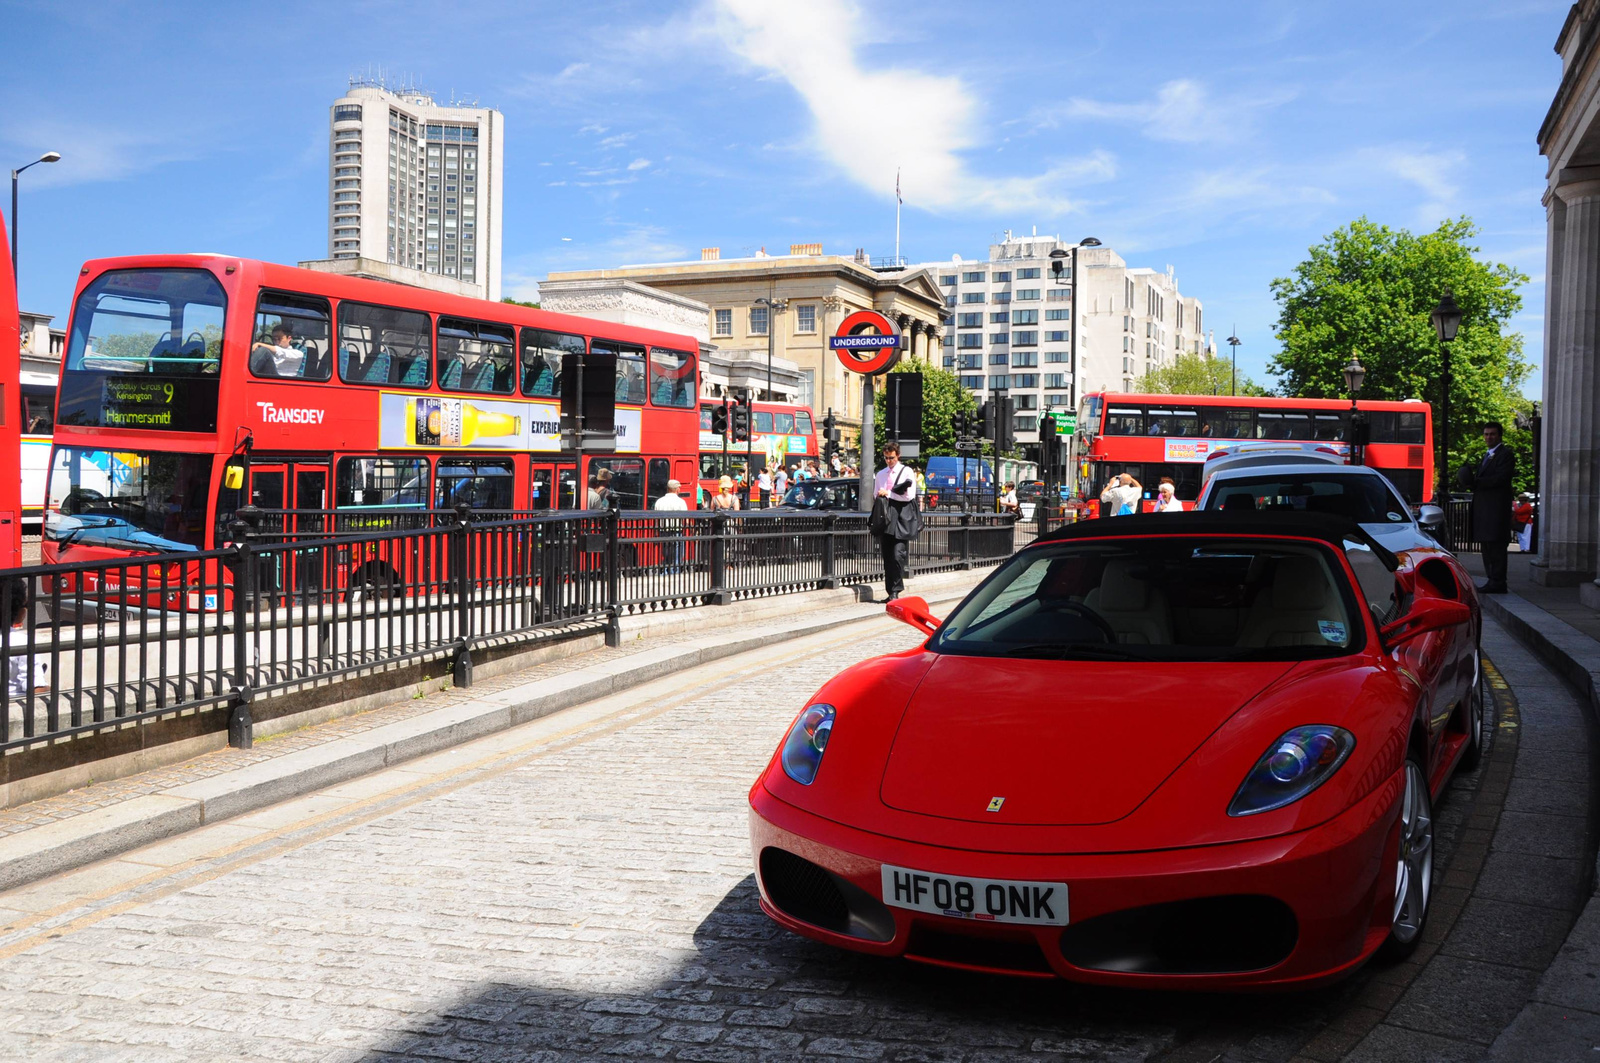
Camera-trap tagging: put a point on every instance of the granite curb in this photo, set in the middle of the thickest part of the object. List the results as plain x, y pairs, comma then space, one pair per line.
1562, 1021
98, 834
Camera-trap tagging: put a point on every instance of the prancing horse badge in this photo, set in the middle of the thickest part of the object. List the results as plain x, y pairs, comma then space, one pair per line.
995, 803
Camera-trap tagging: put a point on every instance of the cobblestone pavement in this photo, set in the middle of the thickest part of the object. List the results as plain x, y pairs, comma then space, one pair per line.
593, 899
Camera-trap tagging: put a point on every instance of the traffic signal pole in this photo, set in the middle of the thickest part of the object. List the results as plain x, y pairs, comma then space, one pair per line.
867, 476
725, 428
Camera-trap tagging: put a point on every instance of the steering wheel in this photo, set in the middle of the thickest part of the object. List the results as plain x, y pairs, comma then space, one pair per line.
1100, 624
81, 500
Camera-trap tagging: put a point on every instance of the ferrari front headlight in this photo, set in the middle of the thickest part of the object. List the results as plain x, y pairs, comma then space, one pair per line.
1300, 761
807, 741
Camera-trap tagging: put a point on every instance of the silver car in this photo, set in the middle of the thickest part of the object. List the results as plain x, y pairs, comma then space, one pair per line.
1357, 492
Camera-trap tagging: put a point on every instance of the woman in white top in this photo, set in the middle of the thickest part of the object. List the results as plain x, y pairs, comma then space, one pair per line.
1167, 499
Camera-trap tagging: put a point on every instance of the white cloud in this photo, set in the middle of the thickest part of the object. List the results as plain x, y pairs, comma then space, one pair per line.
1433, 172
1183, 112
98, 153
617, 141
935, 117
639, 164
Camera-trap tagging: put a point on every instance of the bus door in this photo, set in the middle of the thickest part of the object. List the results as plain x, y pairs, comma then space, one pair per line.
541, 490
569, 488
290, 486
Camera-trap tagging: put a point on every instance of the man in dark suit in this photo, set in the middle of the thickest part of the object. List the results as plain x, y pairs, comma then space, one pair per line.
1491, 506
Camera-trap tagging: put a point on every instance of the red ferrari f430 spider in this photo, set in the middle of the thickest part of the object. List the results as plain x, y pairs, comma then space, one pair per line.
1194, 750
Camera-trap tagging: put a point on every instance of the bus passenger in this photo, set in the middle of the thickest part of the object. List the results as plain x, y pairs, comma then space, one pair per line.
280, 357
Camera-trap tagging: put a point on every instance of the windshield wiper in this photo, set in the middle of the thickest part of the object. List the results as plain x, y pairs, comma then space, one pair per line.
1071, 651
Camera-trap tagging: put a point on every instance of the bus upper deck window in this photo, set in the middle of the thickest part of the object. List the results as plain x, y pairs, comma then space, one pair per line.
475, 356
291, 337
542, 353
383, 345
672, 378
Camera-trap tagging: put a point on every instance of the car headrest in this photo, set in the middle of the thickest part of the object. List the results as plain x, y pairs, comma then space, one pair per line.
1238, 500
1300, 583
1121, 590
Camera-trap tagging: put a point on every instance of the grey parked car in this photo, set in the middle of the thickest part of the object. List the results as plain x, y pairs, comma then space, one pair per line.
1360, 493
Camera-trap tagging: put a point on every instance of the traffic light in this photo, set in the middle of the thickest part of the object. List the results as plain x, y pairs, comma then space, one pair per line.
1049, 446
719, 418
958, 426
830, 437
986, 413
741, 422
1004, 437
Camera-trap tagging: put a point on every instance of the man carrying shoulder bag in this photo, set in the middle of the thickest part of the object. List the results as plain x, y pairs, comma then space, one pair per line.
896, 517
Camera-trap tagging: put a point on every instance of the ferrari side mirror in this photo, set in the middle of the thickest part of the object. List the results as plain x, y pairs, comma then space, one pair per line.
914, 611
1431, 518
1427, 614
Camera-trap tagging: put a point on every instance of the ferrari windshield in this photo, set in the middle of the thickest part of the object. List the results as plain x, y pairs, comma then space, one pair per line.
1161, 598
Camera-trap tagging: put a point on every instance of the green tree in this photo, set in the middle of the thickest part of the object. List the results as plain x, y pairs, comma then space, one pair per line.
519, 302
1196, 374
942, 398
1368, 290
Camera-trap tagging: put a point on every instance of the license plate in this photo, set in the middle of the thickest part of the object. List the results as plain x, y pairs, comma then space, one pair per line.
990, 900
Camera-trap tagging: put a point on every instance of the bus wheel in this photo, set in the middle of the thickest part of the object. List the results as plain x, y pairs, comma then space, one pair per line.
373, 581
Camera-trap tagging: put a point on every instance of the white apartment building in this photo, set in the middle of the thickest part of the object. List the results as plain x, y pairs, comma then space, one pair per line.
1010, 326
416, 186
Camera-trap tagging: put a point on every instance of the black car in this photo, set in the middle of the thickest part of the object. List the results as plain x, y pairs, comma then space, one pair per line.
820, 496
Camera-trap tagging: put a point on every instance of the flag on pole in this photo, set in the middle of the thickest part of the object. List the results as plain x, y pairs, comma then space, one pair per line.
897, 197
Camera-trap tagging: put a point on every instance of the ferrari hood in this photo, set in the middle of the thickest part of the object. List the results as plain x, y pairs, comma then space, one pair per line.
1032, 742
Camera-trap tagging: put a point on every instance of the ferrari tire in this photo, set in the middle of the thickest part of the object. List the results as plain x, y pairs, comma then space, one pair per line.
1413, 866
1476, 709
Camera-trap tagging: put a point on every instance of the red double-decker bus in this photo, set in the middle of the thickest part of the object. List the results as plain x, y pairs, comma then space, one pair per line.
781, 433
192, 384
10, 416
1151, 436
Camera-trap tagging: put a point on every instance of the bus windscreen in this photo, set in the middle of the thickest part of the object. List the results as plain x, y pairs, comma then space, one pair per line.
145, 352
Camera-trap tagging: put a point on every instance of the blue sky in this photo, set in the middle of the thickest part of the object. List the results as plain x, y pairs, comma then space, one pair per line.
1221, 138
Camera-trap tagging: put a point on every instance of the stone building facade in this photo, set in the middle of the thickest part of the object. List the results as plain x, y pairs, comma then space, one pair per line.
1569, 532
1018, 328
819, 289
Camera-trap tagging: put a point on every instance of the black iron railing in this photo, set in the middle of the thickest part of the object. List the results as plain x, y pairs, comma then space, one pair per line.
301, 598
1458, 525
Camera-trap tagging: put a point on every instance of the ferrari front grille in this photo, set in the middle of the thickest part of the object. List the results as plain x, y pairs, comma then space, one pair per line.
815, 895
1206, 935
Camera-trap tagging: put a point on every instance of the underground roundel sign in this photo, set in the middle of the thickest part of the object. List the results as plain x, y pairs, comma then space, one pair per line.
867, 343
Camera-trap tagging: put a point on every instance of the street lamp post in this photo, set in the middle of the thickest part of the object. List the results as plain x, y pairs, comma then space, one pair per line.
49, 156
1446, 318
774, 308
1068, 451
1234, 341
1354, 375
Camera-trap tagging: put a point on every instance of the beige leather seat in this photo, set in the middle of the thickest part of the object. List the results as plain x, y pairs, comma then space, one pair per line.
1288, 612
1136, 611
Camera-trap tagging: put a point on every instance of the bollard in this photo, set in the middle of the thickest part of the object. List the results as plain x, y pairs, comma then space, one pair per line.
241, 728
461, 561
613, 520
829, 581
719, 594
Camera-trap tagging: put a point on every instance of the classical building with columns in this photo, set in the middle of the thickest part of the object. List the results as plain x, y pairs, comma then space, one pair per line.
819, 291
1570, 474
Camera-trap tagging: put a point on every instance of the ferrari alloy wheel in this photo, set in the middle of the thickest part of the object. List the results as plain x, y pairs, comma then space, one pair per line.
1413, 872
1477, 709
